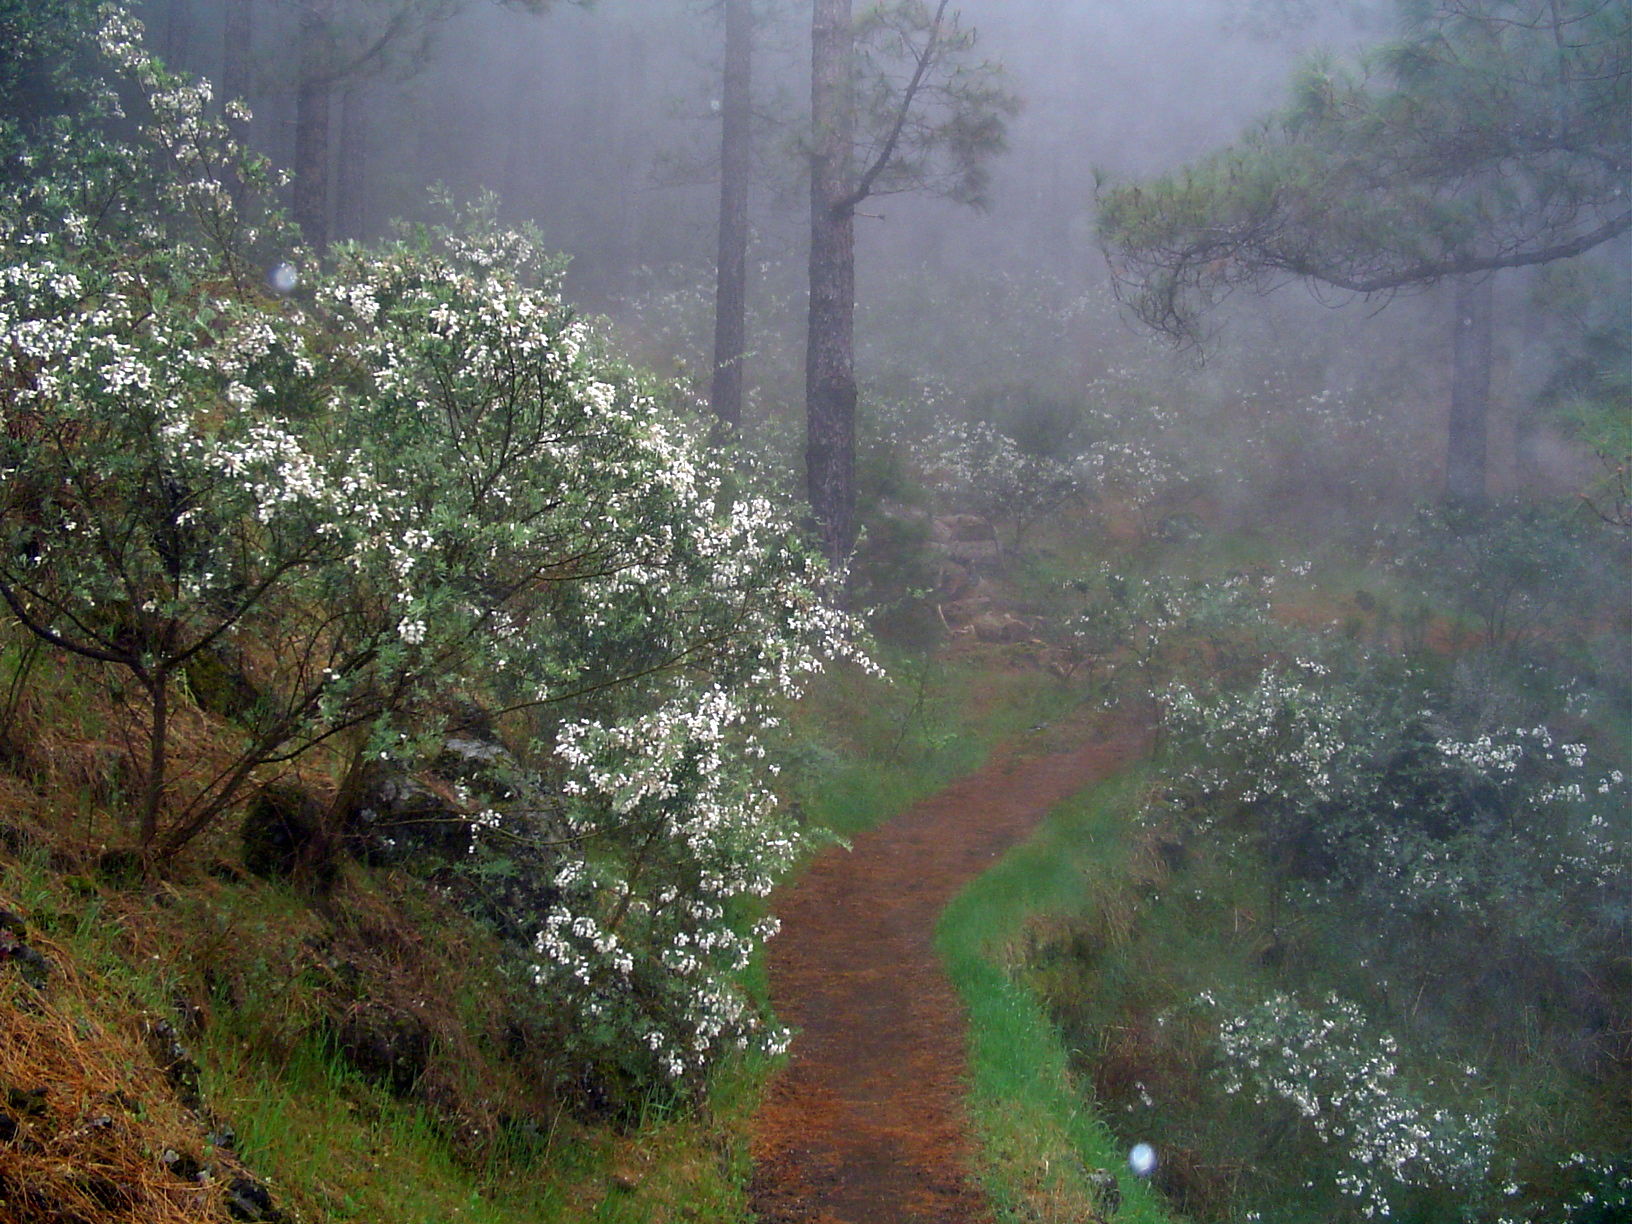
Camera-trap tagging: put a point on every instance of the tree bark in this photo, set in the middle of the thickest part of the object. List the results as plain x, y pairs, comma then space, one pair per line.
238, 35
1467, 439
351, 174
178, 32
736, 145
313, 104
830, 382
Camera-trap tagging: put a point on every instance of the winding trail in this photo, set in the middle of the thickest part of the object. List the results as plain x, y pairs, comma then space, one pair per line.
866, 1125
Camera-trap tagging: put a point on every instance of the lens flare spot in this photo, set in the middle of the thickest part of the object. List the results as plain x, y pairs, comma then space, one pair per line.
1142, 1160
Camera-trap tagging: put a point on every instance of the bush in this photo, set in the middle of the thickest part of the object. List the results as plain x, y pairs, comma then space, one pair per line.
417, 486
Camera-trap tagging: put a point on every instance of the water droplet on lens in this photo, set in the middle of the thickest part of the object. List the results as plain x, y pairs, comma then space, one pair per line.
1142, 1160
283, 278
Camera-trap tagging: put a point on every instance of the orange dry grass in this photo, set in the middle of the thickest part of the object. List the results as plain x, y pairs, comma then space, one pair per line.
95, 1116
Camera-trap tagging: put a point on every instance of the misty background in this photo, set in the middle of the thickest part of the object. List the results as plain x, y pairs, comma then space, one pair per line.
1099, 459
600, 125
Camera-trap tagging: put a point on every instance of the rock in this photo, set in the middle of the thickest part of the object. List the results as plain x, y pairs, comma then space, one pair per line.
902, 513
395, 815
1107, 1193
955, 582
952, 527
284, 832
964, 538
248, 1200
470, 749
1000, 628
389, 1045
220, 684
27, 1102
964, 611
176, 1063
30, 964
181, 1165
33, 966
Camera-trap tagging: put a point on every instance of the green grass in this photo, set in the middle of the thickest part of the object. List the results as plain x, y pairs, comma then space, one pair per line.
331, 1146
868, 748
339, 1149
1039, 1131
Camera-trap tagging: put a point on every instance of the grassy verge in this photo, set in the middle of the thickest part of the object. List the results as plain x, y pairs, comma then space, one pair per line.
353, 1154
1042, 1142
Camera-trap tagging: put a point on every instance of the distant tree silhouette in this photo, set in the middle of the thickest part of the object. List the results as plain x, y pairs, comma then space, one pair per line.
898, 103
1491, 134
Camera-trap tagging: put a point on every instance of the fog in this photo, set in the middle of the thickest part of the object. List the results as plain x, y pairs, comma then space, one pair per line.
596, 123
1243, 382
600, 125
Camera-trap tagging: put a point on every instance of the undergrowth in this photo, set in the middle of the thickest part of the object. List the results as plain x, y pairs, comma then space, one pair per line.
365, 1050
345, 1069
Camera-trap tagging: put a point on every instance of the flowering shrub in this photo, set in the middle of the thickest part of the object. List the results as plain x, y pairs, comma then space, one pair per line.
1424, 862
1601, 1192
1352, 787
984, 471
1150, 627
577, 567
146, 518
1344, 1085
1523, 573
423, 484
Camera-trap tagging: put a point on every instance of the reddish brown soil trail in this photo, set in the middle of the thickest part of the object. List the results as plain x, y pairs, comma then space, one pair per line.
866, 1125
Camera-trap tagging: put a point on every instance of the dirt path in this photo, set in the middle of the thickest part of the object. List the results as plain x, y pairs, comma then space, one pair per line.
866, 1125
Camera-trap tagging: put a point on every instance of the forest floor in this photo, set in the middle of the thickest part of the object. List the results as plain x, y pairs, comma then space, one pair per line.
866, 1124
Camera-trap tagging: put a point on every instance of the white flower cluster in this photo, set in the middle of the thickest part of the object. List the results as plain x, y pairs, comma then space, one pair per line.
1284, 737
1433, 838
1346, 1087
984, 471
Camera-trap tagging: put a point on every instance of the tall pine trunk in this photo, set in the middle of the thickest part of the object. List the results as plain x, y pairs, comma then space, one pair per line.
736, 144
178, 33
237, 53
351, 174
238, 35
313, 106
830, 381
1468, 437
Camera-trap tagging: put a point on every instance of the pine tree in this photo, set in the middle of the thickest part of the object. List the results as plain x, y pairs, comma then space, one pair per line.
1491, 134
898, 103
